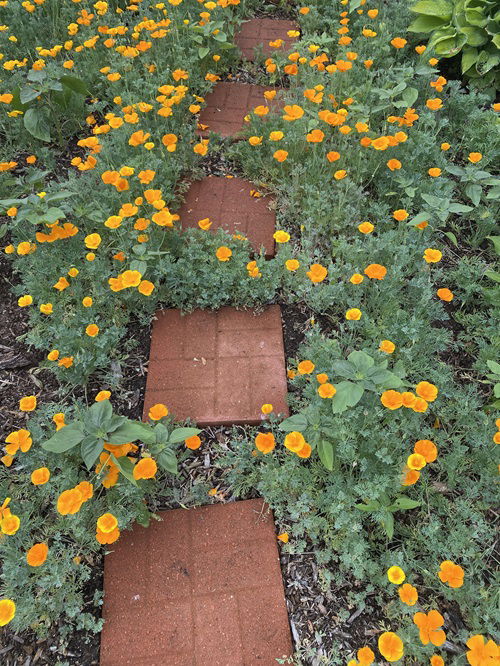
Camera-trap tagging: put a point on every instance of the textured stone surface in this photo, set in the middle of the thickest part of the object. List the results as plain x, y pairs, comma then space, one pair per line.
259, 32
201, 587
217, 367
227, 106
229, 204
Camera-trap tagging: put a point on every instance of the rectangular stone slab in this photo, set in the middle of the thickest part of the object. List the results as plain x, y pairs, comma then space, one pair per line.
227, 106
203, 586
217, 367
259, 32
230, 206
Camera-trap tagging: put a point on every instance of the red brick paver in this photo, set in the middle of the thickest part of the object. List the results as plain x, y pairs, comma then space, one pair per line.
229, 204
259, 32
228, 104
201, 587
217, 367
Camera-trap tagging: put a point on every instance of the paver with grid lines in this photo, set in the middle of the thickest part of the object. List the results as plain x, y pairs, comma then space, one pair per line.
217, 367
229, 204
227, 106
259, 32
201, 587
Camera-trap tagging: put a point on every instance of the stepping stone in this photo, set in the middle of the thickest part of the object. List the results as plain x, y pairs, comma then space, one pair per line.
227, 106
229, 204
203, 586
258, 32
217, 367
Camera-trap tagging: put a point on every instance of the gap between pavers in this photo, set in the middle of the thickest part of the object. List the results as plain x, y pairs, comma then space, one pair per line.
258, 32
230, 206
228, 104
203, 586
217, 367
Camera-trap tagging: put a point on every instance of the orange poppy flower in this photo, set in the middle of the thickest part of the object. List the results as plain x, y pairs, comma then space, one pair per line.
481, 653
396, 575
400, 214
445, 294
429, 625
327, 390
305, 451
37, 554
19, 439
353, 314
391, 399
317, 273
107, 537
193, 442
387, 346
390, 646
305, 367
157, 412
408, 594
107, 523
410, 476
292, 112
40, 476
427, 449
436, 660
146, 468
223, 253
294, 441
265, 442
427, 391
69, 502
375, 271
280, 155
475, 157
451, 573
28, 403
7, 611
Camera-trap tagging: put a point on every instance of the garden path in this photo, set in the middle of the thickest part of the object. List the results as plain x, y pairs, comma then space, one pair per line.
204, 586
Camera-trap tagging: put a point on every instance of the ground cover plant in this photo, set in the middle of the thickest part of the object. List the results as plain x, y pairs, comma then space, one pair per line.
388, 244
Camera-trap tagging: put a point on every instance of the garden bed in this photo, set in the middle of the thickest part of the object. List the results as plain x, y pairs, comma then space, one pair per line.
385, 471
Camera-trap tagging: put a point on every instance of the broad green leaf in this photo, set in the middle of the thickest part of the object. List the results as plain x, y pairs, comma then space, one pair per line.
410, 96
28, 94
99, 415
454, 169
475, 36
496, 390
131, 431
385, 379
325, 452
161, 433
426, 23
348, 395
421, 217
496, 243
140, 266
369, 507
459, 208
65, 438
452, 237
404, 503
180, 434
52, 215
474, 192
344, 369
203, 51
91, 448
126, 467
441, 8
493, 275
354, 4
168, 461
75, 84
493, 366
387, 523
296, 422
469, 58
37, 124
362, 362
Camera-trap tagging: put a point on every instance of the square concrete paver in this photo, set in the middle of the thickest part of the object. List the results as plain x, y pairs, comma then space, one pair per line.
217, 367
227, 106
259, 32
203, 586
229, 204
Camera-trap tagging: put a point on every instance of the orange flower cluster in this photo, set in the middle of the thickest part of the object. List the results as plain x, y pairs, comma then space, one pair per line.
70, 501
426, 392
